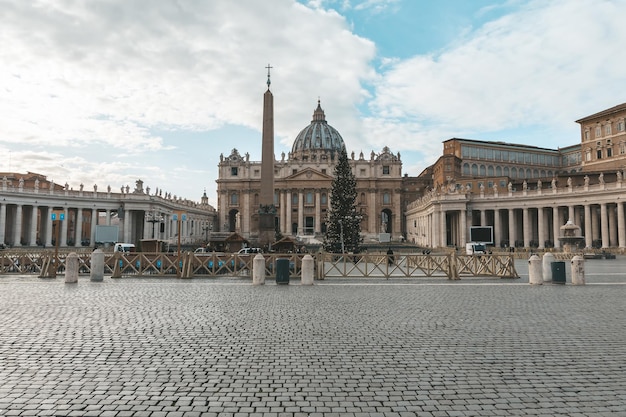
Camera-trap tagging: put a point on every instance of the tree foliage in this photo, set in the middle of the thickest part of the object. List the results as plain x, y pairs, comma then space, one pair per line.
343, 218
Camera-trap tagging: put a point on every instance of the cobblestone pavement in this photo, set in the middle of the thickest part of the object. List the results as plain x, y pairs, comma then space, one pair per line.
222, 347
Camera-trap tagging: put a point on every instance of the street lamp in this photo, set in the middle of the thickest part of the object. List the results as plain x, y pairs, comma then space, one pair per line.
207, 230
153, 218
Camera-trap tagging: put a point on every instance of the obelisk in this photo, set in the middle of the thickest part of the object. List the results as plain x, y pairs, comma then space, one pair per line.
267, 210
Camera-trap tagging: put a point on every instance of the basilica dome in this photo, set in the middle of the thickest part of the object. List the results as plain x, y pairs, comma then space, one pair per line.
319, 135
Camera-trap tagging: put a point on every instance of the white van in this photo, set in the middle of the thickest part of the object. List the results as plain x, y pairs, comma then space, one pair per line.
475, 248
124, 247
248, 251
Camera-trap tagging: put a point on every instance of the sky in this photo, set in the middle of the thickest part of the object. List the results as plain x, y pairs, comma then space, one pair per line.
106, 92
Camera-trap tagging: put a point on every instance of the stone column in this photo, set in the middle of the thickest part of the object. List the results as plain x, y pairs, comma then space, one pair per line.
526, 226
94, 223
318, 212
283, 211
374, 217
64, 224
612, 226
556, 226
442, 233
300, 212
463, 227
595, 226
3, 221
33, 227
621, 226
17, 232
78, 237
604, 224
483, 217
571, 215
48, 223
126, 234
541, 233
496, 228
512, 228
588, 221
245, 216
289, 210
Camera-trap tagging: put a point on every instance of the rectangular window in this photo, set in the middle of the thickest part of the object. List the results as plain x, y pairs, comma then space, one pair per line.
599, 154
609, 152
294, 171
309, 198
294, 199
607, 129
386, 198
586, 135
234, 199
385, 169
323, 170
234, 171
620, 126
362, 171
257, 172
598, 131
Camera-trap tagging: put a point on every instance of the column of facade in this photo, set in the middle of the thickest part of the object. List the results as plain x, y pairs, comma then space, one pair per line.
496, 228
541, 233
526, 226
48, 223
108, 217
604, 224
283, 211
289, 212
318, 212
245, 226
556, 226
595, 224
588, 226
17, 232
397, 216
126, 225
78, 237
33, 227
442, 231
570, 214
612, 226
512, 228
373, 216
621, 232
93, 223
64, 225
463, 227
3, 221
483, 218
300, 212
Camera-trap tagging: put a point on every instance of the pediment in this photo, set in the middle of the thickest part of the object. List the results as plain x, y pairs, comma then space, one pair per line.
309, 174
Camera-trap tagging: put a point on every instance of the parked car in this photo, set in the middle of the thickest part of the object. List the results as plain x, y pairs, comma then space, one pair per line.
248, 251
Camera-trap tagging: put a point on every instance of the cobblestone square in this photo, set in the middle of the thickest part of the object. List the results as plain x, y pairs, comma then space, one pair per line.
359, 347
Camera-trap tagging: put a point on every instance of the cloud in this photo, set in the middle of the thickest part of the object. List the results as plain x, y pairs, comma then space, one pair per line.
546, 64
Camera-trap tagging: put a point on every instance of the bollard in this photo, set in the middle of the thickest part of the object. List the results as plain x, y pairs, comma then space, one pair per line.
71, 268
258, 270
578, 270
307, 270
97, 266
548, 258
535, 276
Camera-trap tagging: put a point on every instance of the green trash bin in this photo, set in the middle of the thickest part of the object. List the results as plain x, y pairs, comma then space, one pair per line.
282, 271
558, 272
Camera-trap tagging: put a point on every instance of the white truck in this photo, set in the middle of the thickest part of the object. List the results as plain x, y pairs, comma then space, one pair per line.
474, 248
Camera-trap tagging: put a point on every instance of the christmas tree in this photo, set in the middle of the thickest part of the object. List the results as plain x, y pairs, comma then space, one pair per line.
343, 223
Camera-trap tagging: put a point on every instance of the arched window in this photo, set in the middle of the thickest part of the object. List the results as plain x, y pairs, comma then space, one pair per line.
498, 171
490, 171
474, 169
234, 199
513, 172
506, 171
324, 199
466, 169
483, 171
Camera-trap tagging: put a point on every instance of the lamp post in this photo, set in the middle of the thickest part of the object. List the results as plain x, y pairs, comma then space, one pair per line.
207, 231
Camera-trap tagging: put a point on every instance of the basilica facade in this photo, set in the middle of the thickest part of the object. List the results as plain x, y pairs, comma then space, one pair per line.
302, 187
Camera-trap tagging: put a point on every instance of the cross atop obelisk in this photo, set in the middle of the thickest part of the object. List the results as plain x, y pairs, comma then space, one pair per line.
268, 75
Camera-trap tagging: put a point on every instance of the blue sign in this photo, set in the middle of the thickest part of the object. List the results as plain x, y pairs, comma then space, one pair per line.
184, 216
53, 216
175, 217
62, 216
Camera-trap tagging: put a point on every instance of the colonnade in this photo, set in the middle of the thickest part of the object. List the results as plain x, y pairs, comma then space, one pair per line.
528, 219
30, 219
